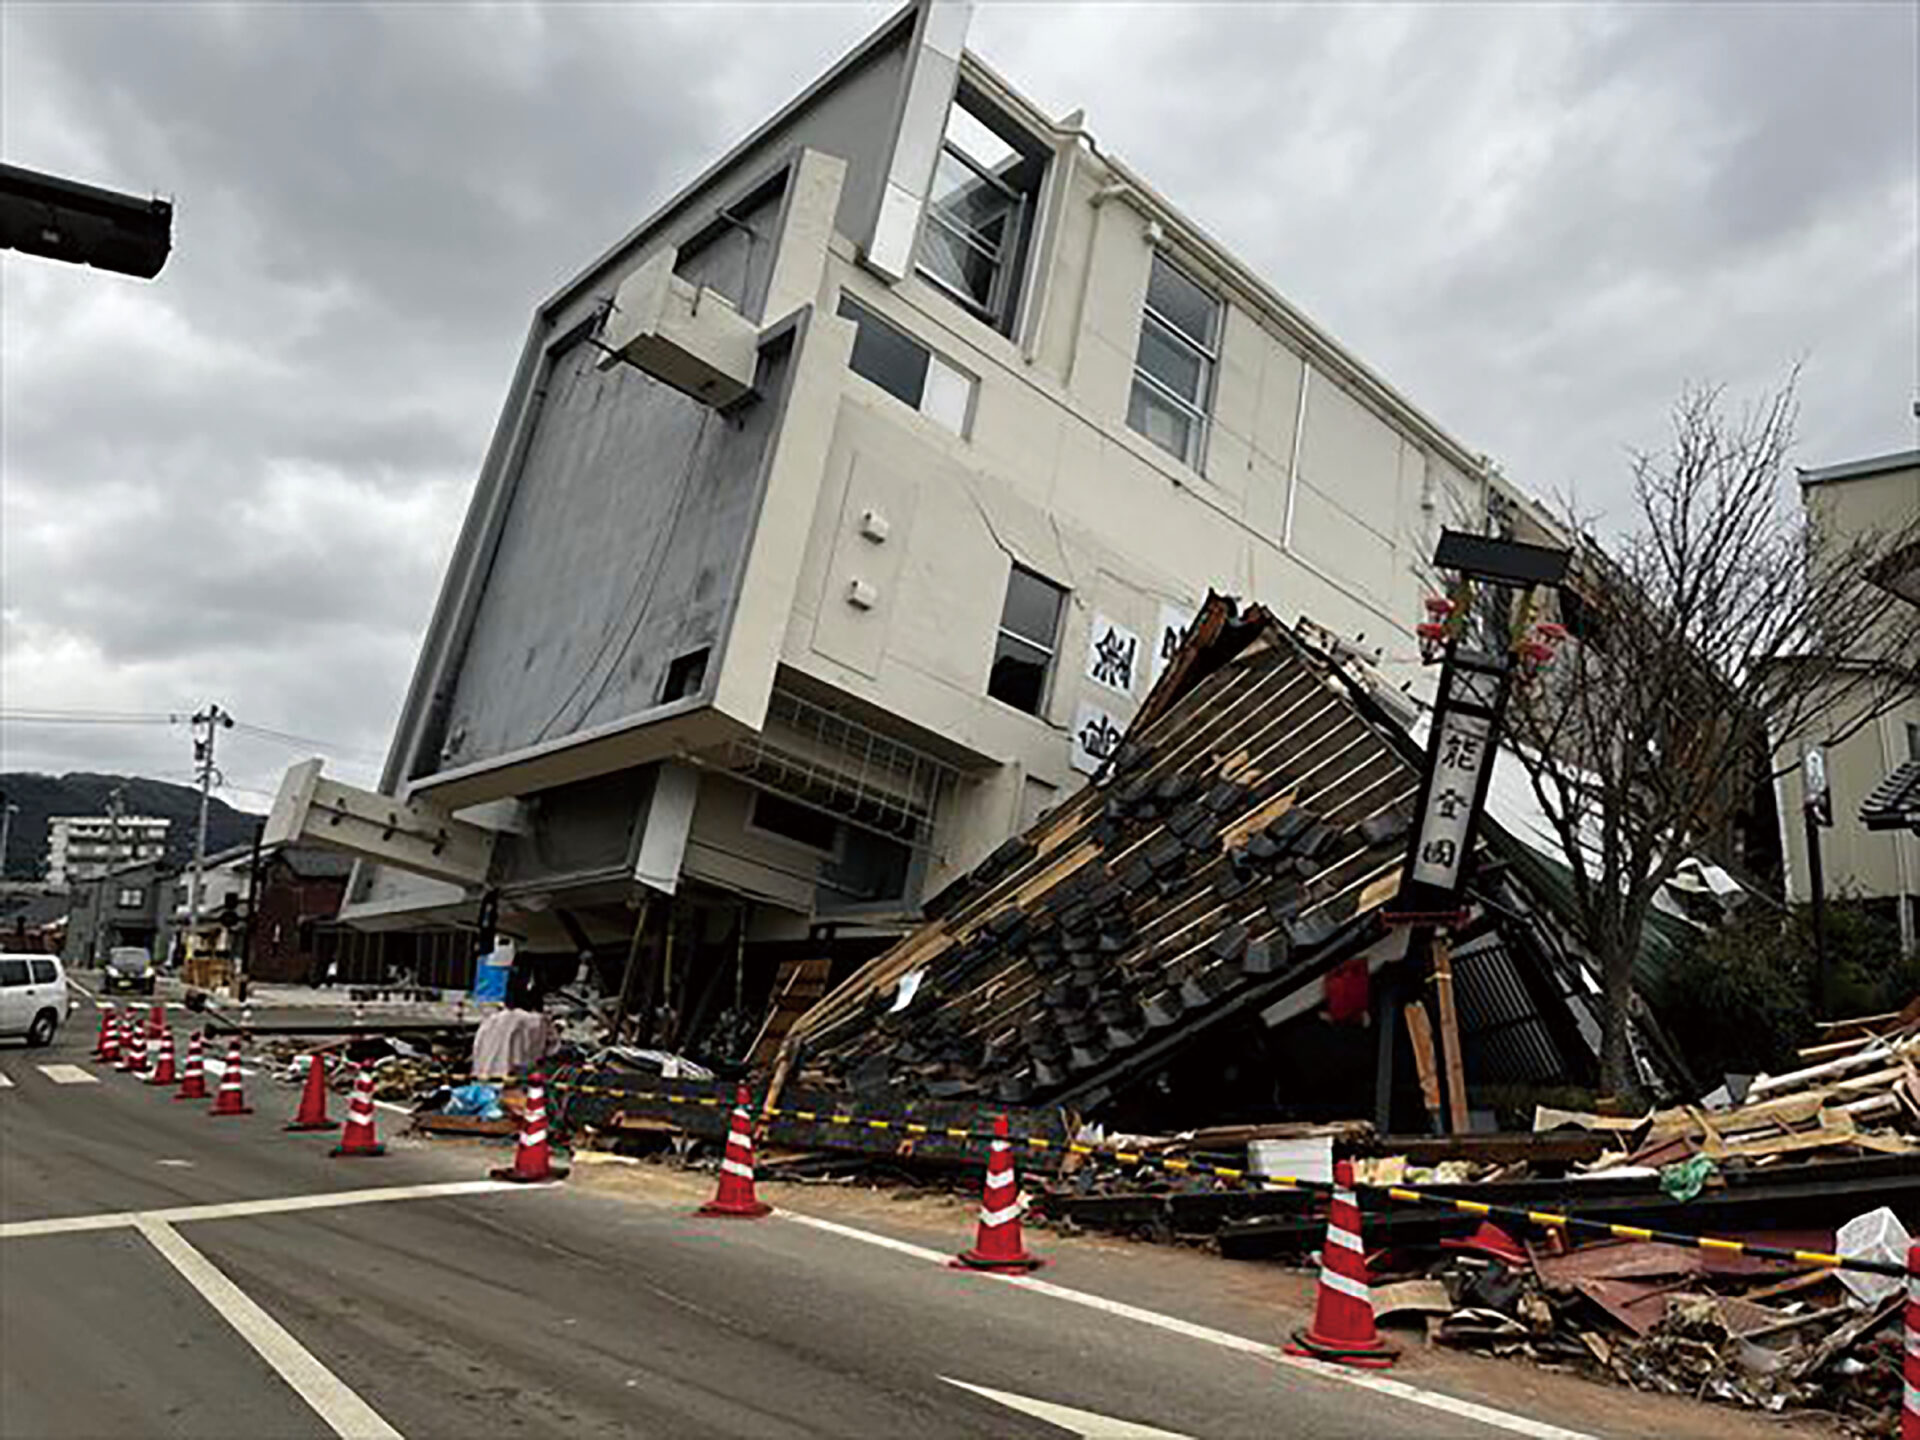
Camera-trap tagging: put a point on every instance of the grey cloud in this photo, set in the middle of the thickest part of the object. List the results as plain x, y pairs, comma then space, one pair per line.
240, 482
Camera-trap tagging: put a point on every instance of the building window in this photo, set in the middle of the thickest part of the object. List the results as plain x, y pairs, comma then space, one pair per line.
1173, 372
796, 824
685, 675
979, 220
131, 897
1029, 635
907, 370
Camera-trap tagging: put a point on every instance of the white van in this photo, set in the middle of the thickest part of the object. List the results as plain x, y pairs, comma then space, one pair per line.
33, 996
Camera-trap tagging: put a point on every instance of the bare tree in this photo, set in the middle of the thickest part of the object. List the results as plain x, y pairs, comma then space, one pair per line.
1716, 620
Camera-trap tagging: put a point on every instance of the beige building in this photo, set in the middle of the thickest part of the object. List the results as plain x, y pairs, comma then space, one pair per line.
1861, 856
839, 518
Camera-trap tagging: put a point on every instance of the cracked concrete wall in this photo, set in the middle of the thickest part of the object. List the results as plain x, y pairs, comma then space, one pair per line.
1050, 477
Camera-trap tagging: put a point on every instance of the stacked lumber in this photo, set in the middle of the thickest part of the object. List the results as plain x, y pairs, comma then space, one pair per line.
1244, 837
1858, 1095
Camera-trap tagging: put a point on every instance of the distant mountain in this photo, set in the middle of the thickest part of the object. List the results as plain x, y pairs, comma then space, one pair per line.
40, 796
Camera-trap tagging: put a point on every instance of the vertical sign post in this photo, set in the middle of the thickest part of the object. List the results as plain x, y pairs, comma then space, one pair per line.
1476, 683
1816, 813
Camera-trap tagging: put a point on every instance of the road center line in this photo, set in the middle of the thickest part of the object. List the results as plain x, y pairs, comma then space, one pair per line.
239, 1209
344, 1412
1365, 1380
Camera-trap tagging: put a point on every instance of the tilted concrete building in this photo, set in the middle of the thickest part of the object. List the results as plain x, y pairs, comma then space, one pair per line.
839, 516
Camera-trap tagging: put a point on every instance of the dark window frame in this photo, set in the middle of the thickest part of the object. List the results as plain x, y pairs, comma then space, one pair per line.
874, 333
1005, 636
765, 798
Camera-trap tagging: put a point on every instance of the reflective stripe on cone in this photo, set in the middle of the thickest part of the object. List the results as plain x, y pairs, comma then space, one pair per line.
359, 1137
736, 1198
998, 1245
532, 1156
1342, 1329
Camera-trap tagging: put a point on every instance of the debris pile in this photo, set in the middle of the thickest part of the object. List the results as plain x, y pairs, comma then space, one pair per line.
1225, 875
1859, 1095
1735, 1328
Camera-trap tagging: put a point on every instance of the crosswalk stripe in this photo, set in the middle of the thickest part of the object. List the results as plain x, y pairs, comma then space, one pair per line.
68, 1075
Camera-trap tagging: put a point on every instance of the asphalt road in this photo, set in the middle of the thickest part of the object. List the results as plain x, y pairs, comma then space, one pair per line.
548, 1311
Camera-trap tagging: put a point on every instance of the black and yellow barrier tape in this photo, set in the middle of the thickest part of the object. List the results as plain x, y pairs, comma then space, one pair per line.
1179, 1165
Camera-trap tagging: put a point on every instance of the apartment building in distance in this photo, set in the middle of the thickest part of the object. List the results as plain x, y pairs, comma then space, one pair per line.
85, 847
840, 516
1871, 851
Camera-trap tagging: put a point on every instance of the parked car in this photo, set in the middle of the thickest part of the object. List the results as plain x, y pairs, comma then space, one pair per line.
33, 997
128, 968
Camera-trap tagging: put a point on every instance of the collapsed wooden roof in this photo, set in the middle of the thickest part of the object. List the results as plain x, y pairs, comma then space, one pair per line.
1243, 839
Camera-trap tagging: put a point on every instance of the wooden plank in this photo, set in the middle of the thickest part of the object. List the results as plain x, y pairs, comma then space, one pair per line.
1420, 1033
1836, 1129
1456, 1073
1261, 817
1380, 891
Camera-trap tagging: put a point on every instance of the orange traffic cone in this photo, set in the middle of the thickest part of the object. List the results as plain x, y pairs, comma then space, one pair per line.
230, 1100
1342, 1329
133, 1052
163, 1065
312, 1114
997, 1243
359, 1137
193, 1084
156, 1020
532, 1156
735, 1196
109, 1037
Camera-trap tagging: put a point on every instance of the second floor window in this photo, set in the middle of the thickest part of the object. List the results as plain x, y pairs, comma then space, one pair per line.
907, 370
1029, 636
1173, 371
132, 897
986, 185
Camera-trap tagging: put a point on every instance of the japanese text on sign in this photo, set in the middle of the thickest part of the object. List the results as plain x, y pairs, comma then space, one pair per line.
1174, 621
1461, 754
1096, 735
1113, 655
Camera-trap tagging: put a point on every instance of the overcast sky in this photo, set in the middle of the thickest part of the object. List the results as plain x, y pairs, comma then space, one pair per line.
240, 482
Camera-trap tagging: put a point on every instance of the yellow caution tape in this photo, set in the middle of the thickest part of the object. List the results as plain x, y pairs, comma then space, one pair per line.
1180, 1165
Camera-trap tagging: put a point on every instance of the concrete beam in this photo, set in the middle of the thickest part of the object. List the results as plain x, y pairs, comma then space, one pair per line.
415, 835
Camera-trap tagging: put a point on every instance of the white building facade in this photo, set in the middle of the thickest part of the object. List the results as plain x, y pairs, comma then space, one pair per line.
839, 518
85, 847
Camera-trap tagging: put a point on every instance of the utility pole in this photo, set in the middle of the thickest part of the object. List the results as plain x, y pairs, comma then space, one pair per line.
212, 720
7, 812
116, 806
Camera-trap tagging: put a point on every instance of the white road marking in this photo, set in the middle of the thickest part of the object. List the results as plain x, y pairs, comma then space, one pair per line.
1085, 1423
344, 1412
240, 1209
68, 1075
177, 1164
1363, 1379
6, 1081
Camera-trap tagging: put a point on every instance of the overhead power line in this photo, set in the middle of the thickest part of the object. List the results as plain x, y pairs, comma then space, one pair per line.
302, 742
